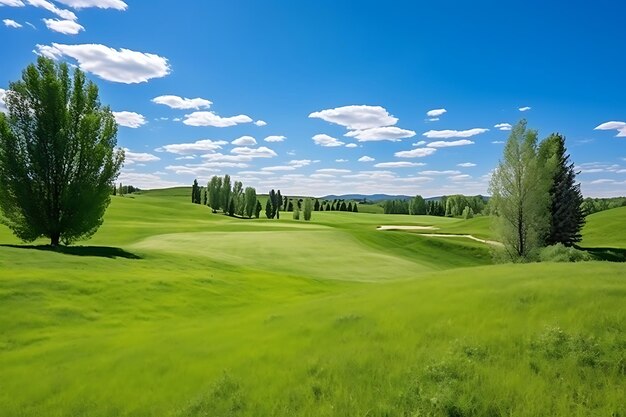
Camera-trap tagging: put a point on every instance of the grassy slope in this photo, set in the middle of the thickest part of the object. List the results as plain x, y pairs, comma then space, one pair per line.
606, 229
224, 317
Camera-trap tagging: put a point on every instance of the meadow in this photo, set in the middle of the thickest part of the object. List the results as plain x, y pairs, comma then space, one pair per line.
170, 310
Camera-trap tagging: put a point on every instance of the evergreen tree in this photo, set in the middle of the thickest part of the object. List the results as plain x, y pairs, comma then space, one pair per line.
258, 209
355, 209
214, 191
308, 208
290, 206
343, 206
226, 192
194, 192
316, 207
250, 201
268, 209
566, 212
114, 189
278, 204
204, 196
58, 155
296, 213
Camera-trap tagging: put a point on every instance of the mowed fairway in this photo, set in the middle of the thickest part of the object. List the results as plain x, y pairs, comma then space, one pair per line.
170, 310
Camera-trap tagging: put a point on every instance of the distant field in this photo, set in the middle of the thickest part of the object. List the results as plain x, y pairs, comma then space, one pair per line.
174, 311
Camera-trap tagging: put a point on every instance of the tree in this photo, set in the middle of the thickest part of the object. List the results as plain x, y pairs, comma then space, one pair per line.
268, 208
278, 203
566, 201
250, 201
520, 195
214, 190
257, 210
195, 192
417, 205
226, 193
58, 156
204, 196
114, 190
236, 198
355, 209
296, 213
468, 213
308, 208
316, 207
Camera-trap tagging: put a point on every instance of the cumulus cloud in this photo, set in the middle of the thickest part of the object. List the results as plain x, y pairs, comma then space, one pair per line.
44, 4
445, 134
260, 123
204, 145
244, 141
275, 138
12, 3
121, 66
447, 144
138, 157
357, 117
352, 145
146, 181
619, 126
467, 164
446, 172
366, 159
11, 23
3, 107
101, 4
398, 164
390, 133
503, 126
326, 141
66, 27
260, 152
299, 163
129, 119
416, 153
209, 118
176, 102
436, 112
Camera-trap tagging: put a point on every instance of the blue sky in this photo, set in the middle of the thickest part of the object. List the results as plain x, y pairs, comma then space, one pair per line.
333, 96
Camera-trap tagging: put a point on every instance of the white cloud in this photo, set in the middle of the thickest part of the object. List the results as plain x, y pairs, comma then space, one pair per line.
391, 133
445, 134
398, 164
176, 102
351, 145
447, 172
66, 27
416, 153
145, 181
101, 4
129, 119
203, 145
503, 126
341, 160
279, 168
467, 164
275, 138
461, 177
326, 141
333, 171
619, 126
420, 143
122, 66
260, 152
12, 3
3, 107
11, 23
357, 117
445, 144
299, 163
62, 13
135, 157
497, 142
436, 112
524, 108
209, 118
244, 141
260, 123
185, 157
433, 119
366, 159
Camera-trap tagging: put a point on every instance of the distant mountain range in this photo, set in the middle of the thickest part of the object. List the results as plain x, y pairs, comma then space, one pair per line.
377, 197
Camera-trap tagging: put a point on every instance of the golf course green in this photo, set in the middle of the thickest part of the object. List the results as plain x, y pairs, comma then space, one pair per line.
171, 310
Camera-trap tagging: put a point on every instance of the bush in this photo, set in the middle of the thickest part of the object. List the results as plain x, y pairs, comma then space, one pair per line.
562, 253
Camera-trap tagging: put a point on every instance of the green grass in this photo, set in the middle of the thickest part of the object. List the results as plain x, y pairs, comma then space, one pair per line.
606, 229
174, 311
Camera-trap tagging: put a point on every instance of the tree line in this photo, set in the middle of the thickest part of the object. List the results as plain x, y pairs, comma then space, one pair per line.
448, 206
124, 189
536, 200
595, 205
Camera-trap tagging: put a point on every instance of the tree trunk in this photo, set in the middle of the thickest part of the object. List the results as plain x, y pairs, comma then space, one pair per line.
54, 239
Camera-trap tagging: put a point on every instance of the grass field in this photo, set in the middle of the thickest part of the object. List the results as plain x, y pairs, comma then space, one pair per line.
173, 311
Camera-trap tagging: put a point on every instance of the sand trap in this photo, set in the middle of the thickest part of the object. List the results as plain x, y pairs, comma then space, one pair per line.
407, 228
488, 242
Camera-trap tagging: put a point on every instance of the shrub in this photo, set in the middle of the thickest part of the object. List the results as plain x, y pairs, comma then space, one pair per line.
562, 253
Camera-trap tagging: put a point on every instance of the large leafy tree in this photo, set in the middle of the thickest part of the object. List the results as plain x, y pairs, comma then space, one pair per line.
566, 212
58, 156
520, 195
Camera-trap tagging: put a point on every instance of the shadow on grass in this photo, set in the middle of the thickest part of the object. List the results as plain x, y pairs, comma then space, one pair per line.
607, 254
98, 251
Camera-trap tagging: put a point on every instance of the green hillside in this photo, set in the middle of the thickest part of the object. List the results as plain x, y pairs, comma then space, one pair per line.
606, 229
170, 310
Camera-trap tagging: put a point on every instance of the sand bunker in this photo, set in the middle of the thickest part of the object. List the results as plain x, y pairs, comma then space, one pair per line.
407, 228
